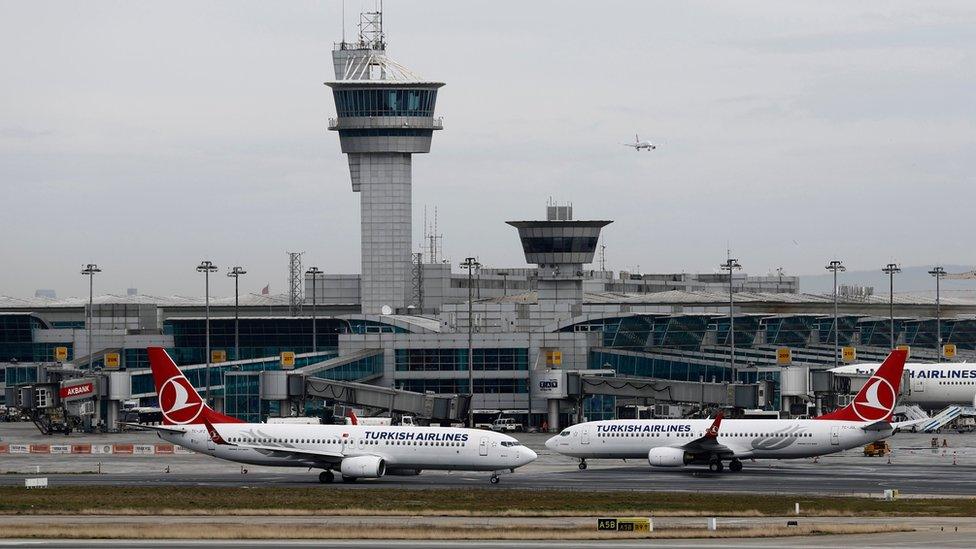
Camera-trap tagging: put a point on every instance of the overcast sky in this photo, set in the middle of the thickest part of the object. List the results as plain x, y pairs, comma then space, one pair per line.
146, 136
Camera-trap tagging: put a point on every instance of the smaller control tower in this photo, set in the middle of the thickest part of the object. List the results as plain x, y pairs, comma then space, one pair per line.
560, 247
384, 114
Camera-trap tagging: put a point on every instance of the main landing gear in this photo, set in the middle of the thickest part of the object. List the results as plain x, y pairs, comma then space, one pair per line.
715, 465
325, 477
582, 465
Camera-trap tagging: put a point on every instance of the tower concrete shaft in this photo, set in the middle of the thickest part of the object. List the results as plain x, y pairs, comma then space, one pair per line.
384, 114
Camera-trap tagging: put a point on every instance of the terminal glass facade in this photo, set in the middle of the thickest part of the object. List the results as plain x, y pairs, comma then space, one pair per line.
17, 340
261, 337
632, 364
142, 382
460, 386
455, 360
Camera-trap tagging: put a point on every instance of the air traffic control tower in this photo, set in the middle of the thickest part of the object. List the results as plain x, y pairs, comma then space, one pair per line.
560, 247
385, 114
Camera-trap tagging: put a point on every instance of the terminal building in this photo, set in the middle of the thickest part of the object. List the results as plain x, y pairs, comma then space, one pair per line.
551, 341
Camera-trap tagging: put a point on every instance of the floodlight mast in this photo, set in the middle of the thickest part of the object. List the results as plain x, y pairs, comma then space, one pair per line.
939, 273
730, 265
89, 271
836, 266
470, 263
206, 267
236, 273
314, 272
891, 270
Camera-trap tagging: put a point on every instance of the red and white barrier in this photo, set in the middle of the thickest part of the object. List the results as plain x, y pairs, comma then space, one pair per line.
100, 449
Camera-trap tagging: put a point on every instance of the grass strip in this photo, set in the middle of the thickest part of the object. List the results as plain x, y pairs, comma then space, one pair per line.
205, 500
418, 532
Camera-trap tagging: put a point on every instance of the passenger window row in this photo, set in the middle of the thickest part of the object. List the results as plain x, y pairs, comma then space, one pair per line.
687, 435
248, 440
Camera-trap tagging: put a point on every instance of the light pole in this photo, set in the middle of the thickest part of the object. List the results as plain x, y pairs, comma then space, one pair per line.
891, 270
835, 266
90, 271
206, 267
938, 272
731, 265
470, 263
236, 273
315, 272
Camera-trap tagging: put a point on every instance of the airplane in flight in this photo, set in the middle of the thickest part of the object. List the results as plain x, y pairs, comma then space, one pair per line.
933, 386
639, 145
680, 442
354, 451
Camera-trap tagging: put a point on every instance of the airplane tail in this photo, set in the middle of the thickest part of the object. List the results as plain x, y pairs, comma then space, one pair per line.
178, 399
876, 399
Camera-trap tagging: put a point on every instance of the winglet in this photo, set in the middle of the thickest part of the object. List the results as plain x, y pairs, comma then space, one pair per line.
712, 431
214, 435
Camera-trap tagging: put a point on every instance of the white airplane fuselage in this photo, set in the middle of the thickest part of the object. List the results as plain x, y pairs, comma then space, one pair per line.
407, 448
747, 438
933, 386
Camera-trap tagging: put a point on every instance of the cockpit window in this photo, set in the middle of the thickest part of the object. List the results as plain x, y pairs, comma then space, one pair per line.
565, 433
510, 444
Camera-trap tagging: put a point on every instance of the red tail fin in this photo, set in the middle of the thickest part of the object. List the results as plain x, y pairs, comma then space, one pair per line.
712, 431
179, 401
353, 420
876, 399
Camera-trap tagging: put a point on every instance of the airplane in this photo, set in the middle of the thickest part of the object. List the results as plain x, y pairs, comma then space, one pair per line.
680, 442
640, 145
355, 451
933, 386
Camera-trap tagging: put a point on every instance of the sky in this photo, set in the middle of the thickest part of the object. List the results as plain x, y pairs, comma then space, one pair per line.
147, 136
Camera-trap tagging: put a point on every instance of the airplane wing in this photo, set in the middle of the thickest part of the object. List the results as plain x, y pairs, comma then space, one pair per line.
884, 425
295, 453
708, 444
316, 456
160, 428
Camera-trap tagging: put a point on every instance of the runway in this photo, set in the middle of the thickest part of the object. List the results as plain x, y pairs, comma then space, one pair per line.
780, 478
944, 532
915, 470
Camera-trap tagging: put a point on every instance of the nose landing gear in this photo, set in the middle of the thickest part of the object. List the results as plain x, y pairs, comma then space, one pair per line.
494, 479
582, 465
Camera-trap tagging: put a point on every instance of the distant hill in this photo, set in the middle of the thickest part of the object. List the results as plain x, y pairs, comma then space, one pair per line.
910, 279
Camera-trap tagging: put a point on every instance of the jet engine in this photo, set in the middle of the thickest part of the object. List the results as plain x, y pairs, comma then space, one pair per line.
363, 467
666, 457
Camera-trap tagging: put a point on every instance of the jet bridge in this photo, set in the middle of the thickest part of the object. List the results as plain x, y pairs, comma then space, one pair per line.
739, 395
395, 401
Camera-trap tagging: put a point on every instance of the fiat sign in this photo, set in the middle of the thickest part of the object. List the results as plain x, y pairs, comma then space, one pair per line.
549, 384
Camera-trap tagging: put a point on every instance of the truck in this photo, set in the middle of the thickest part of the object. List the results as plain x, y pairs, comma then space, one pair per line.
381, 421
880, 448
506, 425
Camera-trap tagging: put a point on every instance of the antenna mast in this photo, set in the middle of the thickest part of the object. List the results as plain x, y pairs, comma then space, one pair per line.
295, 283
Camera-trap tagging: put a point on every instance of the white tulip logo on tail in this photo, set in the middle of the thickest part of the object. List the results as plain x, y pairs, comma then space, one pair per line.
876, 401
179, 401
